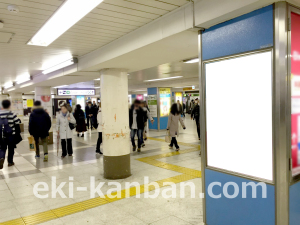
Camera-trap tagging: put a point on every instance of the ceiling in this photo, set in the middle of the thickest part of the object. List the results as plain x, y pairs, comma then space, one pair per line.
109, 21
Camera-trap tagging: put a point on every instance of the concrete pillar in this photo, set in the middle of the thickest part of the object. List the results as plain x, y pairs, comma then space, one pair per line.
16, 103
43, 94
115, 118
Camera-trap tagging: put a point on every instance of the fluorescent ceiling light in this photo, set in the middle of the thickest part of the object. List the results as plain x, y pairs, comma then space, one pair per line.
23, 78
192, 60
166, 78
70, 12
61, 65
60, 86
8, 85
97, 79
140, 90
33, 91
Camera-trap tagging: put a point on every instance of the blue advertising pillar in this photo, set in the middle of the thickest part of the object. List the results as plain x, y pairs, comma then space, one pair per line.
159, 102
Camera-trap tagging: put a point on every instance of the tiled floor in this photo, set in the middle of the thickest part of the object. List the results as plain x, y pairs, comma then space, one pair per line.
17, 199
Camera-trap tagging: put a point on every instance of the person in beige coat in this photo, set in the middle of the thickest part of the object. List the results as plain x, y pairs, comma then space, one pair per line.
174, 119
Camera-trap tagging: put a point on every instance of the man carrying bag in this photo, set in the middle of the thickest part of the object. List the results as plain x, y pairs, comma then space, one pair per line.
39, 126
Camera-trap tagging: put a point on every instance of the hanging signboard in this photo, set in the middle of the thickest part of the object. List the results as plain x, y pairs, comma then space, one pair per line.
295, 93
63, 92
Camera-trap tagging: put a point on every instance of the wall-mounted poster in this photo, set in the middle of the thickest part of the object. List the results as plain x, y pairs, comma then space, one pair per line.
29, 103
247, 113
165, 101
178, 96
295, 93
46, 102
152, 104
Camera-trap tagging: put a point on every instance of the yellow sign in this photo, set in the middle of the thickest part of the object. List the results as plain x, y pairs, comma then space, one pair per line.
165, 101
178, 96
29, 103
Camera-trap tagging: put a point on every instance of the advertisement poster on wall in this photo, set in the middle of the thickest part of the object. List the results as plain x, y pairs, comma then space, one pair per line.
165, 101
178, 97
295, 93
29, 103
46, 102
152, 104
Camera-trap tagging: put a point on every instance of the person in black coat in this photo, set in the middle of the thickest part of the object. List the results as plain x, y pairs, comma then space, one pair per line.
39, 126
195, 115
80, 120
89, 112
136, 124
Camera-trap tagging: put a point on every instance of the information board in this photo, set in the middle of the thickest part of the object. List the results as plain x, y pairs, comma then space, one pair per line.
152, 104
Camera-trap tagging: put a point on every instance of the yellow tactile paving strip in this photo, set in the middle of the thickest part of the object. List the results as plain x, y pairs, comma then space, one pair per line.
187, 174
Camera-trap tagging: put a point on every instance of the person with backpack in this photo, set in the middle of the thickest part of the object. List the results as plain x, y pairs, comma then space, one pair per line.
39, 126
65, 123
8, 123
99, 129
80, 120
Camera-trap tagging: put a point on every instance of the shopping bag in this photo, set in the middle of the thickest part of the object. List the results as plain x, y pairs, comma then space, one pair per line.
32, 146
168, 137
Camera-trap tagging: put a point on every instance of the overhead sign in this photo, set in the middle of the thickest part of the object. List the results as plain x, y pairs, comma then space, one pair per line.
76, 92
189, 88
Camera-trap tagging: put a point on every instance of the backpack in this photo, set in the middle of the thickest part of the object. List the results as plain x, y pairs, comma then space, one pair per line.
5, 130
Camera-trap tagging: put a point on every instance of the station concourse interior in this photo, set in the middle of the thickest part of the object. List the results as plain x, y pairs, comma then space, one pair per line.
190, 112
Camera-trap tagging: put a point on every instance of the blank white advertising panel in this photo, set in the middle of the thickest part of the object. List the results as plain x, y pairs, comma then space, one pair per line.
239, 115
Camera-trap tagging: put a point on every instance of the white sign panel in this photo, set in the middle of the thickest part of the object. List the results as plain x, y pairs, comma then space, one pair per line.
76, 92
239, 115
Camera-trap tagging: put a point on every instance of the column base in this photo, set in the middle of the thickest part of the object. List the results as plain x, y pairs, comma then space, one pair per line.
116, 167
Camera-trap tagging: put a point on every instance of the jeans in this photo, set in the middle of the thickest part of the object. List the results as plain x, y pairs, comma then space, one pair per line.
11, 151
174, 141
140, 137
197, 119
45, 145
67, 142
99, 141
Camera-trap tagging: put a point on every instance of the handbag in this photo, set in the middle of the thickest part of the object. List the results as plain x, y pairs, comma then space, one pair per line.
168, 137
72, 126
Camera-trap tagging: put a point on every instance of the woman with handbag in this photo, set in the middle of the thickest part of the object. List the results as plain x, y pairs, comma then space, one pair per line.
80, 121
65, 123
172, 127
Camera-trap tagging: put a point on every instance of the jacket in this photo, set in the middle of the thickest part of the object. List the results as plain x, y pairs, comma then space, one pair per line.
140, 117
79, 115
89, 111
62, 125
99, 120
196, 111
173, 124
39, 123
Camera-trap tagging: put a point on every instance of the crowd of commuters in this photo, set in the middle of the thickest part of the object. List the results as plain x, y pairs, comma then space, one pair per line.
67, 121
